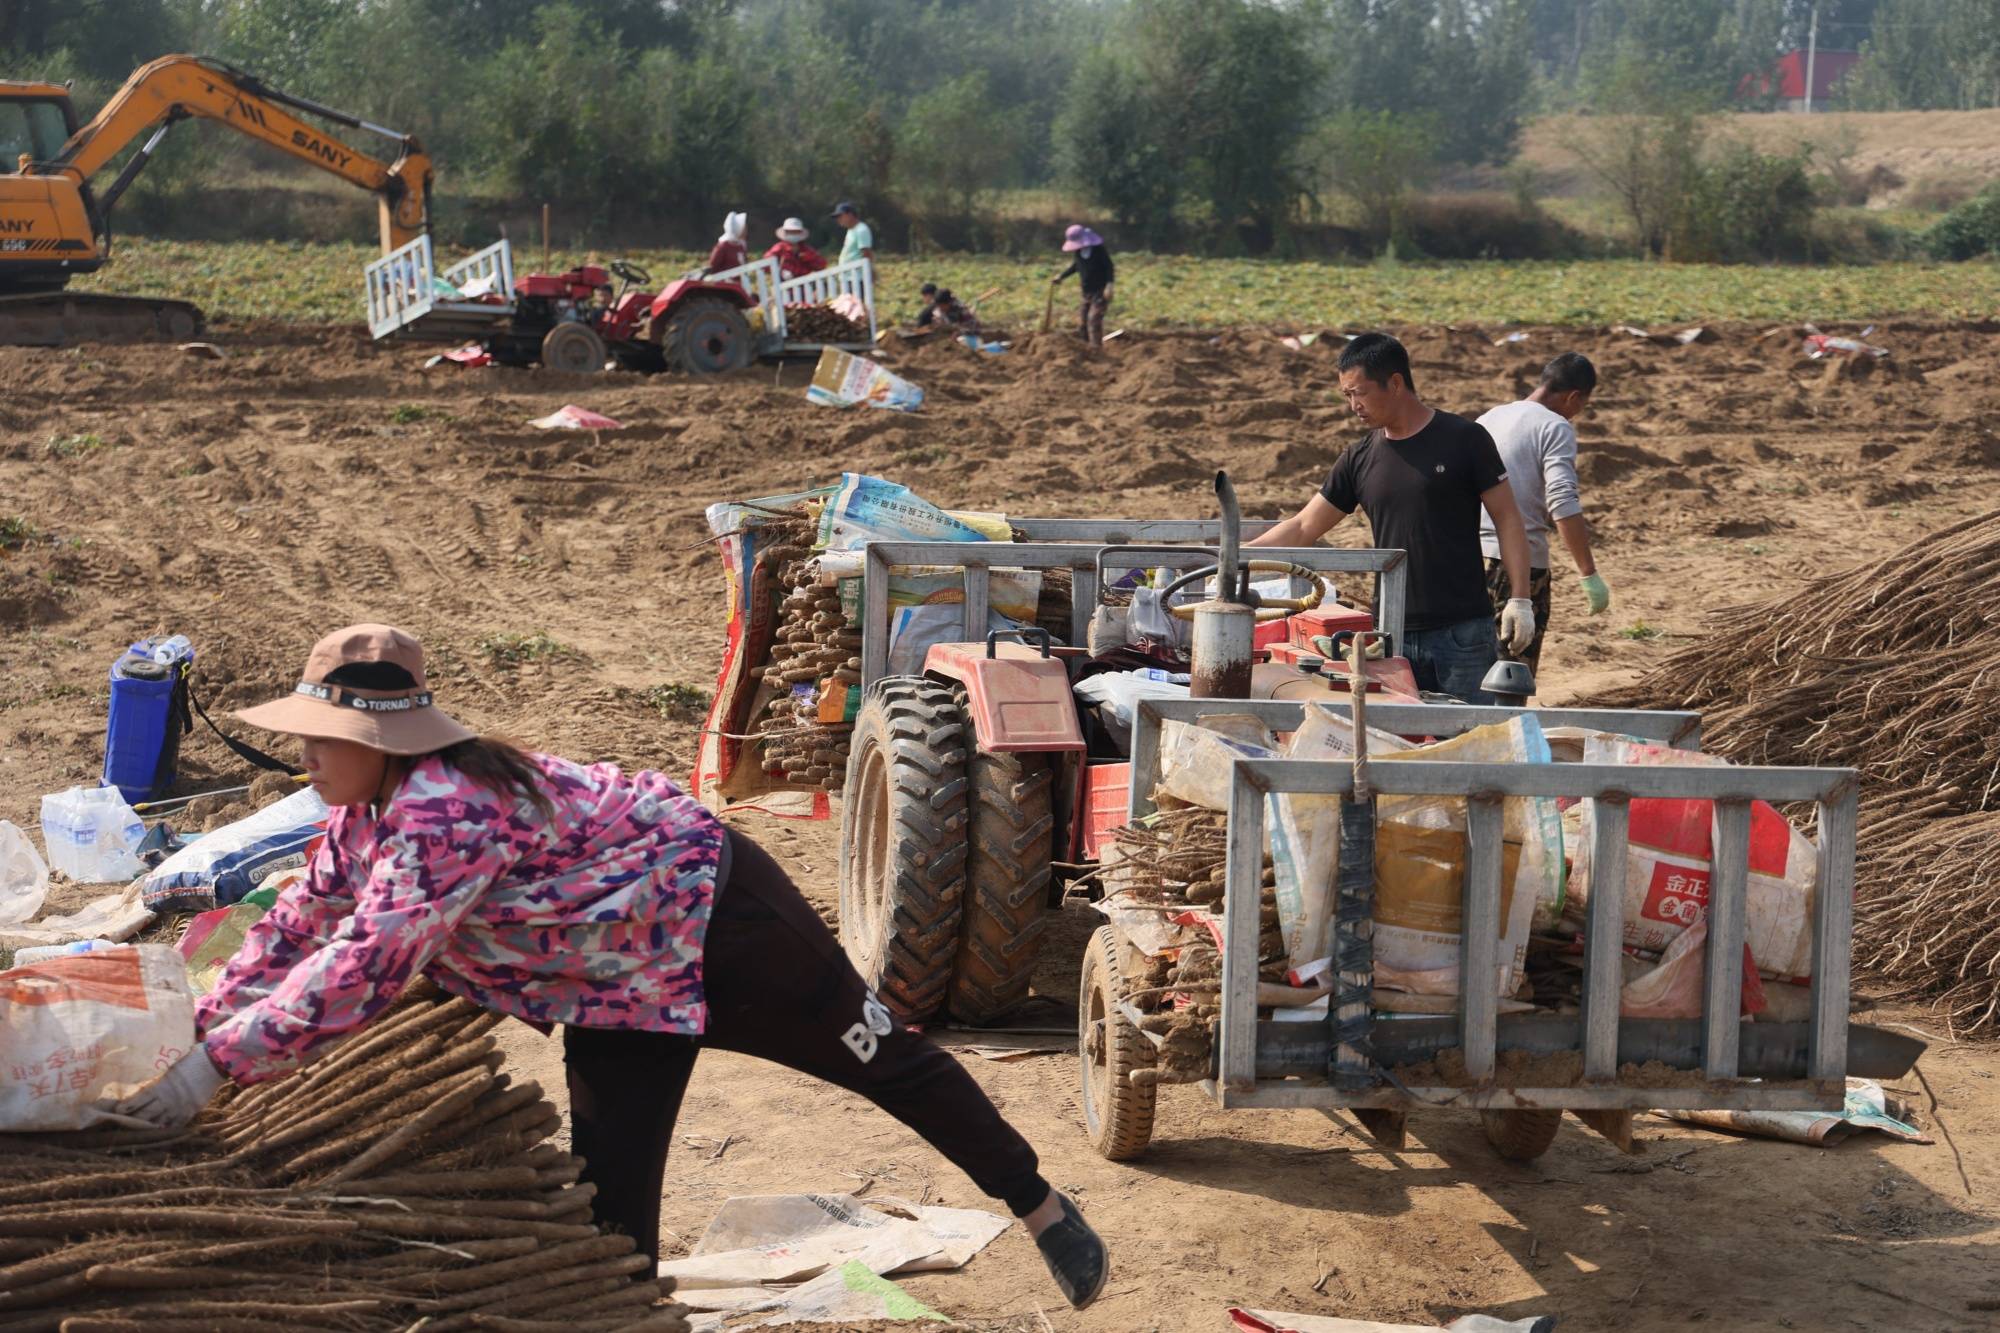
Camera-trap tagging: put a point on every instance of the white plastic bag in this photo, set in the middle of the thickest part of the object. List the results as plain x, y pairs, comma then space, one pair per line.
93, 836
24, 876
1197, 759
89, 1026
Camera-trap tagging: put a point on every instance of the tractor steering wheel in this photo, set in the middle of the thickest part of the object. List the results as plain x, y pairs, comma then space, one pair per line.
1268, 608
630, 272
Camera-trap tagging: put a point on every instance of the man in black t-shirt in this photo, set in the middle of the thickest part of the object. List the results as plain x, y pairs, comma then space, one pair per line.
1422, 476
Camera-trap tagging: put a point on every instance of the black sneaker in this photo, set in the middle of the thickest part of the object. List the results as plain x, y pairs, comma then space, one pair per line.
1075, 1255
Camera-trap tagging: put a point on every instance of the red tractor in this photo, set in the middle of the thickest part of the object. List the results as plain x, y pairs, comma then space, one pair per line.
574, 321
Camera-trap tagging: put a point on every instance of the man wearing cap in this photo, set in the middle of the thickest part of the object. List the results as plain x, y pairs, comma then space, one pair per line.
795, 257
860, 242
611, 903
1093, 266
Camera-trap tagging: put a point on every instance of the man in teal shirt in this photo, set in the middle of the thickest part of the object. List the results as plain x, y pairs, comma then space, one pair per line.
860, 242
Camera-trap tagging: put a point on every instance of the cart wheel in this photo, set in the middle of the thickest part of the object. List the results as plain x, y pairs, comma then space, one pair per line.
576, 348
1520, 1136
1118, 1116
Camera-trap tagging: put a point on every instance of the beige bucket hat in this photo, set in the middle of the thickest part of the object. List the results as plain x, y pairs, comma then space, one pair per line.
366, 684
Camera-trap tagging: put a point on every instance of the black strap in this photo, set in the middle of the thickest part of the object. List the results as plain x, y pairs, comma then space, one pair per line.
244, 750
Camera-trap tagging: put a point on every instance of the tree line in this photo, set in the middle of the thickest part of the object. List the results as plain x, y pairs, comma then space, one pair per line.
1230, 121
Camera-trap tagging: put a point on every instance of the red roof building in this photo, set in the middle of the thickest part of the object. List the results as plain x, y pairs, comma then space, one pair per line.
1787, 79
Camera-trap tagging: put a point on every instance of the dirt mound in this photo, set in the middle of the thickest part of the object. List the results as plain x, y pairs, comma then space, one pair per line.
1600, 462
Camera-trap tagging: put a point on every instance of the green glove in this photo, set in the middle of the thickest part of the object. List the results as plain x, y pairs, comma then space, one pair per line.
1597, 592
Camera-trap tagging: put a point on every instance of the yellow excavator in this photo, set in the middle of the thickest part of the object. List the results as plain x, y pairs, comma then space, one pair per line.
54, 223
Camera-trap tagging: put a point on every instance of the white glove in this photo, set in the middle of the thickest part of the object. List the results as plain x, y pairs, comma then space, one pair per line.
177, 1096
1517, 626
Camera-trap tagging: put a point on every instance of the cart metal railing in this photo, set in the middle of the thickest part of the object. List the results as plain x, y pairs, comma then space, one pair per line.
1718, 1038
1079, 554
1679, 730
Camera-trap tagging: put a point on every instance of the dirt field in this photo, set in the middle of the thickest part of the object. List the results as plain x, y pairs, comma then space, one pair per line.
310, 479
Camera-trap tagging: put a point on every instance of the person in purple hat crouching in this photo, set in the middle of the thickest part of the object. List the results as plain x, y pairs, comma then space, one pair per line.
1093, 266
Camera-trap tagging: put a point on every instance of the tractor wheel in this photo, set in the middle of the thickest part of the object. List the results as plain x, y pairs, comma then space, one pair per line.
903, 847
1006, 883
1117, 1115
706, 337
1520, 1136
573, 347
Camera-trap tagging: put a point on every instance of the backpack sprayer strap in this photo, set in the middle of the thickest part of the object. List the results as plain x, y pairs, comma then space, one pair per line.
244, 750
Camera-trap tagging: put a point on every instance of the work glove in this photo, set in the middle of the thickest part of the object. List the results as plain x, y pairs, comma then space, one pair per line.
1517, 626
1597, 592
177, 1096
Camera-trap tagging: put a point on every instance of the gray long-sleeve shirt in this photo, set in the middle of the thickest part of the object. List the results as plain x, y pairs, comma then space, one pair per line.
1538, 448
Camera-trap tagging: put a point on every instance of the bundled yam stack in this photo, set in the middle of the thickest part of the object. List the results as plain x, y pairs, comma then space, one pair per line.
403, 1178
1892, 668
1176, 864
815, 659
821, 324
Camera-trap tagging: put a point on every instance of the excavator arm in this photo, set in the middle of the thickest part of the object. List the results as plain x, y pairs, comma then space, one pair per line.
174, 87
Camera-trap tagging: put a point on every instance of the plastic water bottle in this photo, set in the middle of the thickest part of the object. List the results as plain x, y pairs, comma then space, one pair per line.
40, 952
92, 835
170, 651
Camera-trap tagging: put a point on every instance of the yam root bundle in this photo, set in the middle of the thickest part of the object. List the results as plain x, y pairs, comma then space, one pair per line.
403, 1178
1892, 668
821, 324
814, 652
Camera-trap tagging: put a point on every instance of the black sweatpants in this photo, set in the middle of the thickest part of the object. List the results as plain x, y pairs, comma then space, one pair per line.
779, 988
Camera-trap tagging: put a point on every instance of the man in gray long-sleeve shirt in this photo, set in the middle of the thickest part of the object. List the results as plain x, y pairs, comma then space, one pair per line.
1538, 447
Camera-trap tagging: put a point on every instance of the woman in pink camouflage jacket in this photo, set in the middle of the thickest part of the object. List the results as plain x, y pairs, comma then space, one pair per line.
611, 903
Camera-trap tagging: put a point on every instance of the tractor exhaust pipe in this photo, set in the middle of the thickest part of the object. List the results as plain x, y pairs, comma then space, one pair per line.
1225, 627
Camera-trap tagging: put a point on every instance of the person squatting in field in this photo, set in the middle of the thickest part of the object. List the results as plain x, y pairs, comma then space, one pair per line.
1423, 476
611, 903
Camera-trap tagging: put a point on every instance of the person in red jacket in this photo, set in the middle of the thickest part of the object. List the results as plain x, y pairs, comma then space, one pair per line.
795, 257
729, 251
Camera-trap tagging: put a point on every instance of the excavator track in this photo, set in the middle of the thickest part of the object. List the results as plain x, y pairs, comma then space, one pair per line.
57, 318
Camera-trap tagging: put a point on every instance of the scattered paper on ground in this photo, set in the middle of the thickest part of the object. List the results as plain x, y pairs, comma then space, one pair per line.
774, 1239
1867, 1107
1005, 1045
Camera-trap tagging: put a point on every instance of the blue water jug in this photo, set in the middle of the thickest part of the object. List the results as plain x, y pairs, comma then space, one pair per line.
149, 711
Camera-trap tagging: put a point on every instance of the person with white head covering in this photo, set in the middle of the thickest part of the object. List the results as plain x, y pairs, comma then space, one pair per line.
1095, 271
730, 251
794, 252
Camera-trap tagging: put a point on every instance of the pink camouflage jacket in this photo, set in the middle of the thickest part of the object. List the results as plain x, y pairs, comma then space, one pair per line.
595, 918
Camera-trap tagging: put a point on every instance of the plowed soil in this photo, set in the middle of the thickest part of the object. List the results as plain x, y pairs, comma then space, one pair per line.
310, 479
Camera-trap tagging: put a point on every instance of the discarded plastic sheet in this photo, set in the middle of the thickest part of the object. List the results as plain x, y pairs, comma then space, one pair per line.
1278, 1321
1517, 336
571, 417
848, 1293
115, 916
472, 354
1818, 346
24, 876
843, 379
206, 351
1867, 1107
1298, 342
786, 1238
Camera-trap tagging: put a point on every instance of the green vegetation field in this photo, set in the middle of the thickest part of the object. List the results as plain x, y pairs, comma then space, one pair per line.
241, 281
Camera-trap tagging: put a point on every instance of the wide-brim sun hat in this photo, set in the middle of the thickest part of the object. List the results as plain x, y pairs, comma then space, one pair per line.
793, 230
1080, 237
365, 684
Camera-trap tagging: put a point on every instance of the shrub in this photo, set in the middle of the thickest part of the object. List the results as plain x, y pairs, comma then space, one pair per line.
1968, 231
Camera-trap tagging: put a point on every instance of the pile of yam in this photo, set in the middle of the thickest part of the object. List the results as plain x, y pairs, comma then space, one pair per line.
821, 324
1892, 668
815, 659
404, 1181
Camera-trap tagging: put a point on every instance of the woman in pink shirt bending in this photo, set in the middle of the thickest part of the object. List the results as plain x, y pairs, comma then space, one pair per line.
611, 903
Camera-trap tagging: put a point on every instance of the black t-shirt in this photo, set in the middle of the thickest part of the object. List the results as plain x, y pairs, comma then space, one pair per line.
1421, 495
